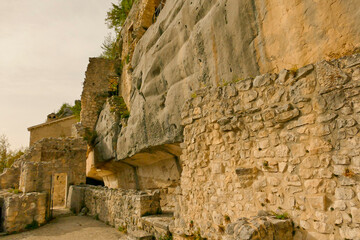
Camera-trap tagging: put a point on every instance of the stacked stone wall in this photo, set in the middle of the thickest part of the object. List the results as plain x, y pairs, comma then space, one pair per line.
22, 210
99, 73
10, 178
64, 155
286, 143
55, 129
116, 207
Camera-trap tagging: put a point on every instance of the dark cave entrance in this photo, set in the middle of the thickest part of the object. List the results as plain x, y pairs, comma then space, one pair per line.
94, 182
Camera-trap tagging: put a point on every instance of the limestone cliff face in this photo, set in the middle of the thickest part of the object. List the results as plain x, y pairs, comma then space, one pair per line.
200, 43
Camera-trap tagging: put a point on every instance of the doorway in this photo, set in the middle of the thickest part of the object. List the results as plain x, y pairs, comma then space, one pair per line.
59, 190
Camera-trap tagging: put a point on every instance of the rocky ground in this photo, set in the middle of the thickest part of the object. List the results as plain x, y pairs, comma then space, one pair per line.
70, 228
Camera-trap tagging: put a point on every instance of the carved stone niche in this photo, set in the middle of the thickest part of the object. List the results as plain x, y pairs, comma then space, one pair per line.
247, 176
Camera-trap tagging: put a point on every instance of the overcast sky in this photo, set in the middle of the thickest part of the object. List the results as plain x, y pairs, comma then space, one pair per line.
45, 47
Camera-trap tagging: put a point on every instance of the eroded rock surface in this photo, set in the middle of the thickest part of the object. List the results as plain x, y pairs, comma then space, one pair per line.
199, 43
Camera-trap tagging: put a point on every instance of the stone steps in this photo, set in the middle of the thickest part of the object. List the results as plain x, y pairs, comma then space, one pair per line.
62, 212
139, 235
158, 225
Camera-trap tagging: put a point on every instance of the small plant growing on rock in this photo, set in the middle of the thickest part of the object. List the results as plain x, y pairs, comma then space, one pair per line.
193, 95
33, 225
191, 224
227, 219
90, 137
266, 164
282, 216
167, 236
123, 229
14, 190
118, 106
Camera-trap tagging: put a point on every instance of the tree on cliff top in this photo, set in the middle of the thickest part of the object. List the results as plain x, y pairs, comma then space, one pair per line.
117, 15
115, 19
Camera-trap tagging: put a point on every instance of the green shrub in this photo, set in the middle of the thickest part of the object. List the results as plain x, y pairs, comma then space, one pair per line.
123, 229
167, 236
282, 216
90, 137
32, 225
75, 109
115, 19
14, 190
118, 13
118, 106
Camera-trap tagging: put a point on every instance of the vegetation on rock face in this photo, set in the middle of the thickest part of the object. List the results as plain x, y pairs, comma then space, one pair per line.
118, 106
117, 15
90, 137
167, 236
14, 190
7, 156
123, 229
110, 48
32, 225
115, 19
68, 110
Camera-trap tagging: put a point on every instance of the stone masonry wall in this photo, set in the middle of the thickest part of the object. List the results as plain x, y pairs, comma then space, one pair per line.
10, 178
19, 210
58, 128
286, 142
63, 155
95, 90
116, 207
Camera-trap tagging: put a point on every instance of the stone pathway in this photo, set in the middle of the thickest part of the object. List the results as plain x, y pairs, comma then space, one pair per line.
70, 228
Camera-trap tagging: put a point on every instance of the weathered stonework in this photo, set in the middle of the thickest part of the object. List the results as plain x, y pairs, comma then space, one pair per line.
99, 74
200, 43
58, 128
286, 142
41, 178
117, 207
20, 210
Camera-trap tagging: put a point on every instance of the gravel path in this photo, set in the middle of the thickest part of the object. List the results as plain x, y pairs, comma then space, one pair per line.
70, 228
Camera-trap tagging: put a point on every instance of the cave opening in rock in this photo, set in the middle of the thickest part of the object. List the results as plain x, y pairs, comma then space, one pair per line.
94, 182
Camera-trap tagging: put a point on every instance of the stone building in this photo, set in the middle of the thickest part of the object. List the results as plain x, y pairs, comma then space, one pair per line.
52, 128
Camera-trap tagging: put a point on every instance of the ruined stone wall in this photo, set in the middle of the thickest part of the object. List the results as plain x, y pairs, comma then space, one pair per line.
10, 178
287, 143
64, 155
20, 210
58, 128
95, 90
115, 207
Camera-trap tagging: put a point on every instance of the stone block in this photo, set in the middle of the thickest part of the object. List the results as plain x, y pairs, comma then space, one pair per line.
287, 116
355, 213
341, 159
344, 193
317, 202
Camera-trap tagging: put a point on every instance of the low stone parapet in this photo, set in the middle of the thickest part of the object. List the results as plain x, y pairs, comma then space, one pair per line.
116, 207
23, 211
